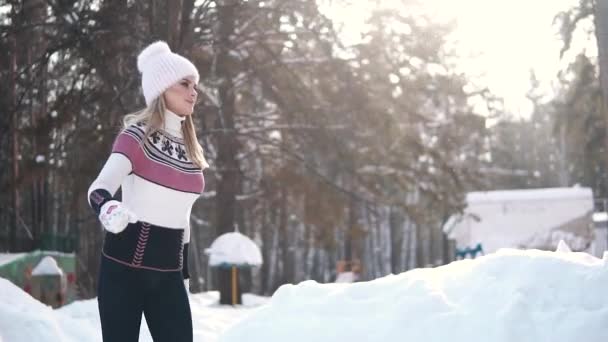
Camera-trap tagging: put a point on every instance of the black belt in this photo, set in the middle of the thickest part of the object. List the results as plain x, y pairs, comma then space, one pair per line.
143, 245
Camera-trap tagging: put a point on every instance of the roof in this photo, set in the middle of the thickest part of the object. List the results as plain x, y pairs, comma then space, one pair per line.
7, 258
528, 195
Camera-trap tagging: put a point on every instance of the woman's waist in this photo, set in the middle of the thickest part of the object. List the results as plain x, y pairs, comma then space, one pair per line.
146, 245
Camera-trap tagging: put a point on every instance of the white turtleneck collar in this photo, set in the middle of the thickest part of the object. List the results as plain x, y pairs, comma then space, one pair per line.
173, 123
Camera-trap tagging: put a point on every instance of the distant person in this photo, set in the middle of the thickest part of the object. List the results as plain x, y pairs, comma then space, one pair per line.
158, 162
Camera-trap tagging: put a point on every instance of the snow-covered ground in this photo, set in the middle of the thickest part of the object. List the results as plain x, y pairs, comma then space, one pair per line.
507, 296
22, 318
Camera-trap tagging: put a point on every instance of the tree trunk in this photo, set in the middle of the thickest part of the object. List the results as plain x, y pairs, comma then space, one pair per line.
352, 236
12, 239
563, 158
408, 264
396, 229
308, 258
266, 253
37, 110
601, 34
227, 164
418, 246
286, 240
174, 23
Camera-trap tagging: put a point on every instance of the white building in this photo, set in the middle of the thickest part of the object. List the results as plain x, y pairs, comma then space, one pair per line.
535, 218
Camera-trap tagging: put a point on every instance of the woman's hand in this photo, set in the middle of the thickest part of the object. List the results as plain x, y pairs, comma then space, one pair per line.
115, 217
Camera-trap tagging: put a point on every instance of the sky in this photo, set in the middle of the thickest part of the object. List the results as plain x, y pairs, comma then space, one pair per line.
500, 41
510, 295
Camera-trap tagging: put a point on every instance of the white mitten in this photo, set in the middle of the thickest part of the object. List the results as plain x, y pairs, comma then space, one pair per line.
187, 285
115, 216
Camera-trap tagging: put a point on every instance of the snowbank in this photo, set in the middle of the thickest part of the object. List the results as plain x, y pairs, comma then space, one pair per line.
47, 266
511, 295
234, 248
24, 319
508, 296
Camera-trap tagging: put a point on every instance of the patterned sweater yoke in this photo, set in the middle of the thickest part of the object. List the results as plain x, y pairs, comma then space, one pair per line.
159, 182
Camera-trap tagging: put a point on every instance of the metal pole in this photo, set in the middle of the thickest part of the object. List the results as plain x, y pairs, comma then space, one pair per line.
234, 282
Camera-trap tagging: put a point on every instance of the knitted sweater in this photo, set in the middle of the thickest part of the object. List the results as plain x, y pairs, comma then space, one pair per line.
159, 182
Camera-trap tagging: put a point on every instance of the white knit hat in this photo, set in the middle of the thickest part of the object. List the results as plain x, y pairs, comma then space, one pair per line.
160, 69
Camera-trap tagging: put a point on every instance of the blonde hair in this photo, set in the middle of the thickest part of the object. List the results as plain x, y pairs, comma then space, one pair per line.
153, 117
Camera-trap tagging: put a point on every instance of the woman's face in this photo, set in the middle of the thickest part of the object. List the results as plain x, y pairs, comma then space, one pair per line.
181, 97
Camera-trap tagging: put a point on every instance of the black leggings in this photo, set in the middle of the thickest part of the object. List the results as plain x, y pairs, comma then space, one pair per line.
124, 293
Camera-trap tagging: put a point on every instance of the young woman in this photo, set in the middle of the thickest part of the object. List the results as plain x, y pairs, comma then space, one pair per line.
158, 162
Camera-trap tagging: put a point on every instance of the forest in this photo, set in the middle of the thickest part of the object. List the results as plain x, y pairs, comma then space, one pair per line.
325, 154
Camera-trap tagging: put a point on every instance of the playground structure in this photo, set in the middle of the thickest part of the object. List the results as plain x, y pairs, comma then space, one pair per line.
229, 253
48, 276
469, 253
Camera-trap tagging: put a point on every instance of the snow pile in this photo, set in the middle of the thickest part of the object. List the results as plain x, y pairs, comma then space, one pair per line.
511, 295
7, 258
507, 296
552, 238
346, 277
24, 319
47, 266
600, 216
234, 249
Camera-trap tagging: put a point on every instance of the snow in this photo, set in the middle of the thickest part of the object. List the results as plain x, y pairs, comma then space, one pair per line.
529, 195
346, 277
600, 217
7, 258
22, 318
47, 266
234, 249
563, 247
552, 238
510, 295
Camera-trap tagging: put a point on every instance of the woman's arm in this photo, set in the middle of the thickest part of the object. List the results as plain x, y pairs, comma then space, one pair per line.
103, 189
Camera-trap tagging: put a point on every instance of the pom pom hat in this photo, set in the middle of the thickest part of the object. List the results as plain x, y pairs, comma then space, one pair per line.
160, 69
